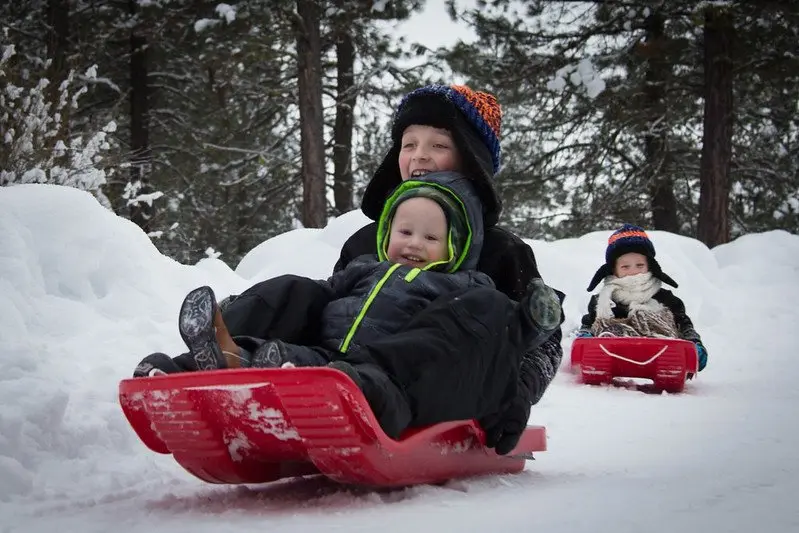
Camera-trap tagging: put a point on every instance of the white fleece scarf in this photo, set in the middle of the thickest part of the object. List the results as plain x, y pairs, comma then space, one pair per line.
634, 291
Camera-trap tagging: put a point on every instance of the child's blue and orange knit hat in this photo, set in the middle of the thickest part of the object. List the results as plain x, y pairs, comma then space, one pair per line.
474, 118
629, 239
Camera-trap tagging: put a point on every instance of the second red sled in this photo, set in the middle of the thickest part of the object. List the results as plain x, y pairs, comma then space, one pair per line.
667, 362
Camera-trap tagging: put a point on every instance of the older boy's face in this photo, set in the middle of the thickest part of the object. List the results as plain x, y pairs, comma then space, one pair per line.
418, 233
630, 264
426, 149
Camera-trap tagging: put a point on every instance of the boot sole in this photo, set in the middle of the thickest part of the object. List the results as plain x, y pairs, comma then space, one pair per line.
196, 326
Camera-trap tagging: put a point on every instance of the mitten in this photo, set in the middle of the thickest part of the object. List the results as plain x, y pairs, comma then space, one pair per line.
701, 352
503, 430
544, 305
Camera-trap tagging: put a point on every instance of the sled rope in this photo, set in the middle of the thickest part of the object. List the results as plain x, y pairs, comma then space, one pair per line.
621, 358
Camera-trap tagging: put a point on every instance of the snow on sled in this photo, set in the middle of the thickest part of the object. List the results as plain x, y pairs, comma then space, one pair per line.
256, 426
667, 362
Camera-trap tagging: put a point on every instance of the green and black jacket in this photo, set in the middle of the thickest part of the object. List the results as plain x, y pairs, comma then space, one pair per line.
373, 297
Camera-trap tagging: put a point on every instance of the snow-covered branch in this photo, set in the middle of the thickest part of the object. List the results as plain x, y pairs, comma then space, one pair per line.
34, 130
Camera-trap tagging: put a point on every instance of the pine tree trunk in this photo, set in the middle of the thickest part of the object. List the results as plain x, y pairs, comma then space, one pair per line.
140, 155
713, 227
309, 63
663, 201
57, 41
57, 51
342, 131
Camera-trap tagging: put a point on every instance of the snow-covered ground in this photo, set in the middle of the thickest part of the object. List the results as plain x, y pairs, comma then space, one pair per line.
84, 295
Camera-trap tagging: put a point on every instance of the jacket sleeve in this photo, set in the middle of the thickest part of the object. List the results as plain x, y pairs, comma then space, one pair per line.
540, 366
342, 281
337, 283
684, 323
590, 316
540, 363
362, 242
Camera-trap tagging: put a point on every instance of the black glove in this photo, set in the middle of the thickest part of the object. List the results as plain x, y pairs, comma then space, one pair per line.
504, 429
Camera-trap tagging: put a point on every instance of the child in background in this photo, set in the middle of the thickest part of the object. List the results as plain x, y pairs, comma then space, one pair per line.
632, 301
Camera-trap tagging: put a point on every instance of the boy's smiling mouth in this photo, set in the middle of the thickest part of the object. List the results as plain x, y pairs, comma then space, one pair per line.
419, 172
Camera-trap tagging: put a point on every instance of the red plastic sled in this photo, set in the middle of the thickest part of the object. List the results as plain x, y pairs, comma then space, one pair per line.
255, 426
667, 362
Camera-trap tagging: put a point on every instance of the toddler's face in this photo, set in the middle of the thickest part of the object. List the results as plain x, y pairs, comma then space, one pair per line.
418, 233
426, 149
630, 264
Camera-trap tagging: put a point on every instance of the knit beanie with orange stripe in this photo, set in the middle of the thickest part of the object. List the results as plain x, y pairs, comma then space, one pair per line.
473, 118
625, 240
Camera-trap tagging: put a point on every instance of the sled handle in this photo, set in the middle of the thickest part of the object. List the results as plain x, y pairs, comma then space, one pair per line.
644, 363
